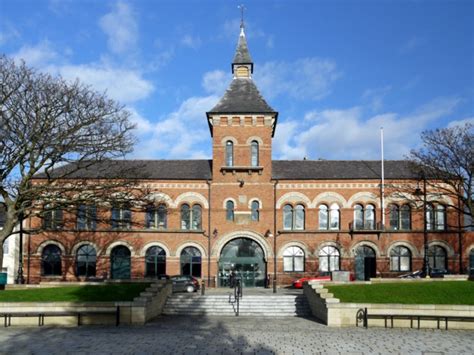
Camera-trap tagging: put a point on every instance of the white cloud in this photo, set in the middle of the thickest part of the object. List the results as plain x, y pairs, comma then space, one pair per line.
38, 55
350, 134
461, 122
8, 33
307, 78
190, 41
123, 85
376, 96
121, 27
216, 81
171, 136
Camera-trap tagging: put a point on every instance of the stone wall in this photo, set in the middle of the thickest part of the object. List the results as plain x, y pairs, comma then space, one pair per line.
336, 314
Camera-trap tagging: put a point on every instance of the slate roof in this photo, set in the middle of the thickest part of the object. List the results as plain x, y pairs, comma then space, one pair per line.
242, 96
340, 169
139, 169
202, 170
242, 54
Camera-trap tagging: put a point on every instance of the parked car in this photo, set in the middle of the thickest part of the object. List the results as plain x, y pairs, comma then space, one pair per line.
184, 283
298, 283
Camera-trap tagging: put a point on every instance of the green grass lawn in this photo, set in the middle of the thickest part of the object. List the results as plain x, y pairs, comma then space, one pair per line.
443, 292
86, 293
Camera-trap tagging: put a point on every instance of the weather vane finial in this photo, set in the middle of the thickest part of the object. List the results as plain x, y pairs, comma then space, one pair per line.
242, 8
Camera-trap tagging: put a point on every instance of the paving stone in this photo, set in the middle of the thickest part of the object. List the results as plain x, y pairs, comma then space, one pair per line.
232, 335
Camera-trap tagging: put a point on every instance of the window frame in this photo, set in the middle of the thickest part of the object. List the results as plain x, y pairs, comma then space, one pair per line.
229, 153
333, 256
293, 256
396, 257
254, 154
55, 265
190, 221
87, 262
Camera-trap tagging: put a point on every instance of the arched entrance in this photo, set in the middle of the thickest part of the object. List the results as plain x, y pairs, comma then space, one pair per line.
365, 263
120, 262
246, 258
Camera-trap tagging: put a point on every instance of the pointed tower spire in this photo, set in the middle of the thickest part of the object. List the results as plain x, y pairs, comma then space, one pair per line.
242, 65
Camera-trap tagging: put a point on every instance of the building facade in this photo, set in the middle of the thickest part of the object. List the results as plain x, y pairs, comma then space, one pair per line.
245, 212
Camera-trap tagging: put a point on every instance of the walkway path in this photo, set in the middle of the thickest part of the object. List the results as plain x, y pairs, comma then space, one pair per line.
184, 335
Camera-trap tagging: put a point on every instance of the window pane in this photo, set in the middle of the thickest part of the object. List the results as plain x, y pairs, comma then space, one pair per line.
334, 216
287, 263
405, 263
196, 217
358, 217
126, 217
323, 263
287, 217
162, 217
299, 217
81, 217
394, 263
229, 153
323, 217
369, 216
185, 216
254, 153
394, 217
230, 210
255, 211
405, 217
333, 263
150, 217
440, 217
299, 263
429, 217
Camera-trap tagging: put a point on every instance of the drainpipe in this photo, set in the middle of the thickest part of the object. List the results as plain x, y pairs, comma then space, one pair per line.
209, 234
460, 230
274, 238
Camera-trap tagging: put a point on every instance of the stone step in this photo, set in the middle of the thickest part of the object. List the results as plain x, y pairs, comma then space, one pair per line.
248, 314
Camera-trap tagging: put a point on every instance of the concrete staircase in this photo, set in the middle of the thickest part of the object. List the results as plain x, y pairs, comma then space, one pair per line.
250, 305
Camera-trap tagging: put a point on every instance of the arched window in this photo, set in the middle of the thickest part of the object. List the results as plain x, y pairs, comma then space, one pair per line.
51, 261
120, 262
196, 217
287, 217
52, 218
86, 258
155, 262
323, 217
157, 217
229, 210
191, 218
440, 217
191, 262
369, 216
329, 259
86, 217
400, 259
437, 257
254, 153
430, 217
293, 218
229, 153
334, 216
394, 217
400, 217
358, 217
293, 259
299, 215
405, 217
121, 217
364, 217
255, 206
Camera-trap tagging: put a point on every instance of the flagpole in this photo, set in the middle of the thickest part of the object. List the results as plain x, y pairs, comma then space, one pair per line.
382, 187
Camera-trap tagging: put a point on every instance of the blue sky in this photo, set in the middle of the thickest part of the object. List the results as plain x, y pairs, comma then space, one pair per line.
335, 70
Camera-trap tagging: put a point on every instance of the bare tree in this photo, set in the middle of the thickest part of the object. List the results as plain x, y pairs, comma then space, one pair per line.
446, 161
53, 129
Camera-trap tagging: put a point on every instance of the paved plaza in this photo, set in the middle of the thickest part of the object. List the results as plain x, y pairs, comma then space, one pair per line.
233, 335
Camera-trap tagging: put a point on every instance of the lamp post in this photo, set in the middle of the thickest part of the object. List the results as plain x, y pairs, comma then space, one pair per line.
19, 278
418, 192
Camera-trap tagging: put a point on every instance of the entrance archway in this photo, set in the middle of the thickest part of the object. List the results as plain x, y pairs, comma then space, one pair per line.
244, 257
365, 263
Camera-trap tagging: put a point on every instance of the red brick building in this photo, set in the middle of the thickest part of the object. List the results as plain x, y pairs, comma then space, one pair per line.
243, 211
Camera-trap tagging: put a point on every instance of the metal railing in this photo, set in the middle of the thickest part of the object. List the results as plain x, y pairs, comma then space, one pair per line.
237, 295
